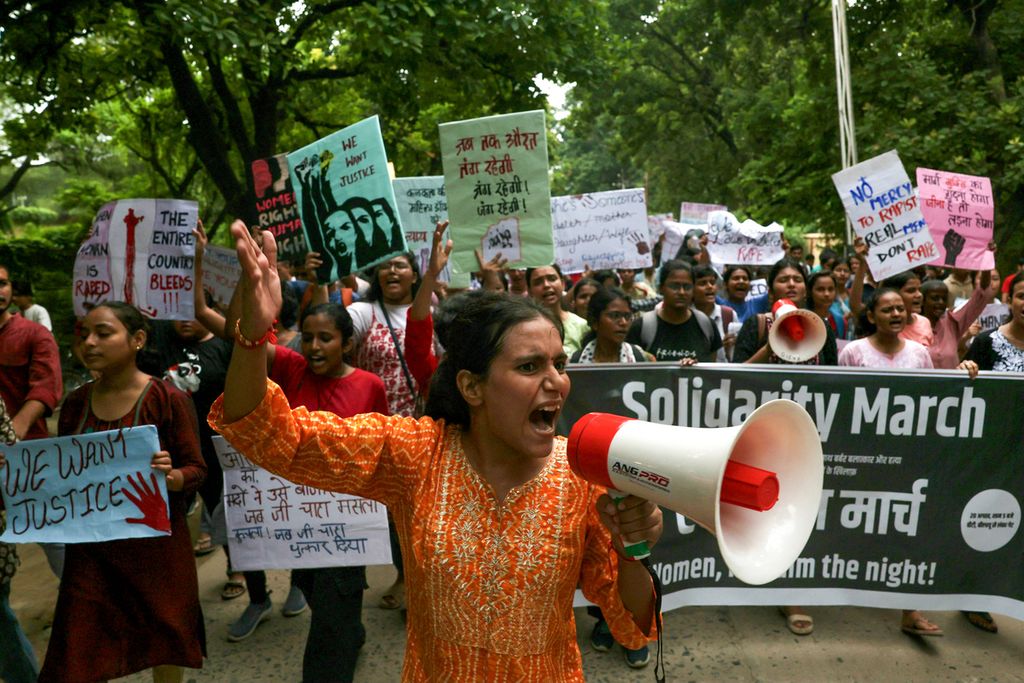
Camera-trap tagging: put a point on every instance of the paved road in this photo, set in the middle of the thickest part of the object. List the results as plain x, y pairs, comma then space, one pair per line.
702, 644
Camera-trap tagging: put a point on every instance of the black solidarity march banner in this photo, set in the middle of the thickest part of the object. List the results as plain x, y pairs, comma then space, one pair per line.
924, 477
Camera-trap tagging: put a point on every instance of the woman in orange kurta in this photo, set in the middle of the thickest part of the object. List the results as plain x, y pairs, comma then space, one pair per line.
495, 528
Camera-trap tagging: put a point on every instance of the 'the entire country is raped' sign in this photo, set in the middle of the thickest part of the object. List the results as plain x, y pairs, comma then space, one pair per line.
85, 488
883, 207
140, 251
601, 230
275, 524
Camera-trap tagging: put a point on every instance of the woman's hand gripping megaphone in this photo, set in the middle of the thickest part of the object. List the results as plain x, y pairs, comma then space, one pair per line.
632, 521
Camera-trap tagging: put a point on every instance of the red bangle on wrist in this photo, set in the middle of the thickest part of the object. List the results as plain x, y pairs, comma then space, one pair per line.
269, 336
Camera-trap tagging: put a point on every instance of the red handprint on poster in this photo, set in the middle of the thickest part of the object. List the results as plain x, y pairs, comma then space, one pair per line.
149, 502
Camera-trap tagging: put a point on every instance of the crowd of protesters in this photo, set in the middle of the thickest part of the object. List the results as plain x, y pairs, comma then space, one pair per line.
385, 345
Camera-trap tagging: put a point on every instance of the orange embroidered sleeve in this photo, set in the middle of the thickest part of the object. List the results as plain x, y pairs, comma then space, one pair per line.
598, 580
370, 455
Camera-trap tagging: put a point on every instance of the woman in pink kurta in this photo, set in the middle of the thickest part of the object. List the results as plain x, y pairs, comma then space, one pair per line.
884, 317
948, 326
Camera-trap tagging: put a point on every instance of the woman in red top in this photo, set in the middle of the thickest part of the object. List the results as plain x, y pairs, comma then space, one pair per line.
320, 379
130, 604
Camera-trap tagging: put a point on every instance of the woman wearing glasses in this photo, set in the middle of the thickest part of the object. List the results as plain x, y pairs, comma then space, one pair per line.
675, 330
609, 316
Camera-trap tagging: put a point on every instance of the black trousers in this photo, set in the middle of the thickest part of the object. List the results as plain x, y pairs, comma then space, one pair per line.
336, 632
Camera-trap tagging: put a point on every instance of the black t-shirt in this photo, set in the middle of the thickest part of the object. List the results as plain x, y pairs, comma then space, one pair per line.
673, 342
197, 368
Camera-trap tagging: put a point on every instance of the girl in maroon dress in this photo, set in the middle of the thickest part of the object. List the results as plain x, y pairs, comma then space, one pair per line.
130, 604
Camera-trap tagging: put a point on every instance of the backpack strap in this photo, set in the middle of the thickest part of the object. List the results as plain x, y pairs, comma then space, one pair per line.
706, 326
728, 315
648, 328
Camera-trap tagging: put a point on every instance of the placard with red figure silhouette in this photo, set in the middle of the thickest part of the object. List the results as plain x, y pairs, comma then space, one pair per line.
277, 209
140, 251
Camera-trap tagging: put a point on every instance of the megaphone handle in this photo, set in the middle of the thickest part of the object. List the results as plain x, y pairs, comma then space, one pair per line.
635, 551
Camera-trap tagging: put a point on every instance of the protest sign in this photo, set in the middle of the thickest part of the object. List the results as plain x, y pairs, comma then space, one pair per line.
601, 230
346, 202
277, 208
496, 178
275, 524
85, 488
673, 238
221, 273
993, 316
140, 251
883, 207
421, 204
960, 213
696, 214
758, 287
748, 243
899, 525
656, 225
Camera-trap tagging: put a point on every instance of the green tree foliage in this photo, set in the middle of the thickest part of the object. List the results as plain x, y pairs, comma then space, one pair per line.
735, 102
211, 85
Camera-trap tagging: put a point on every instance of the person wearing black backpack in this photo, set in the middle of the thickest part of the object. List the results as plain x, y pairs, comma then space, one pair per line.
675, 330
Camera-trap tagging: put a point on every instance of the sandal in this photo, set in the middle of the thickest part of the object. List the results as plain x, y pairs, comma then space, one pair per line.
204, 546
921, 627
394, 598
798, 624
232, 589
982, 620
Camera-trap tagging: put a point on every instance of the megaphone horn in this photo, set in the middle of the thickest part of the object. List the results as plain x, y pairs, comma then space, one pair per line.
756, 486
797, 335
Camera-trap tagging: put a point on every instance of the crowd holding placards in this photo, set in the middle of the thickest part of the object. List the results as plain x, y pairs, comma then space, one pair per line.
439, 401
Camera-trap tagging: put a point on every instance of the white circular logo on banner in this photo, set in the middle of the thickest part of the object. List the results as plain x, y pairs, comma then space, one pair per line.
990, 520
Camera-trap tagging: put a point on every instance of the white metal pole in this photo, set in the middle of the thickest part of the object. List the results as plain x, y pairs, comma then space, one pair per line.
844, 95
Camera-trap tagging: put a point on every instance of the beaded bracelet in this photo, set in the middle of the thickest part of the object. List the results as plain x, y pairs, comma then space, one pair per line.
269, 336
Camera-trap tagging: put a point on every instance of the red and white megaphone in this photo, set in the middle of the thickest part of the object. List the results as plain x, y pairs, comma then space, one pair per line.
756, 487
797, 335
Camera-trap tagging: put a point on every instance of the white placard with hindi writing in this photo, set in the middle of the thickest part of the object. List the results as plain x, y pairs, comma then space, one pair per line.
421, 205
221, 272
882, 205
601, 230
748, 243
275, 524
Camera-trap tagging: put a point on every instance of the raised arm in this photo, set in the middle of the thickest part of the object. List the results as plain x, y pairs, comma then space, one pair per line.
320, 293
419, 329
857, 291
258, 301
490, 271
